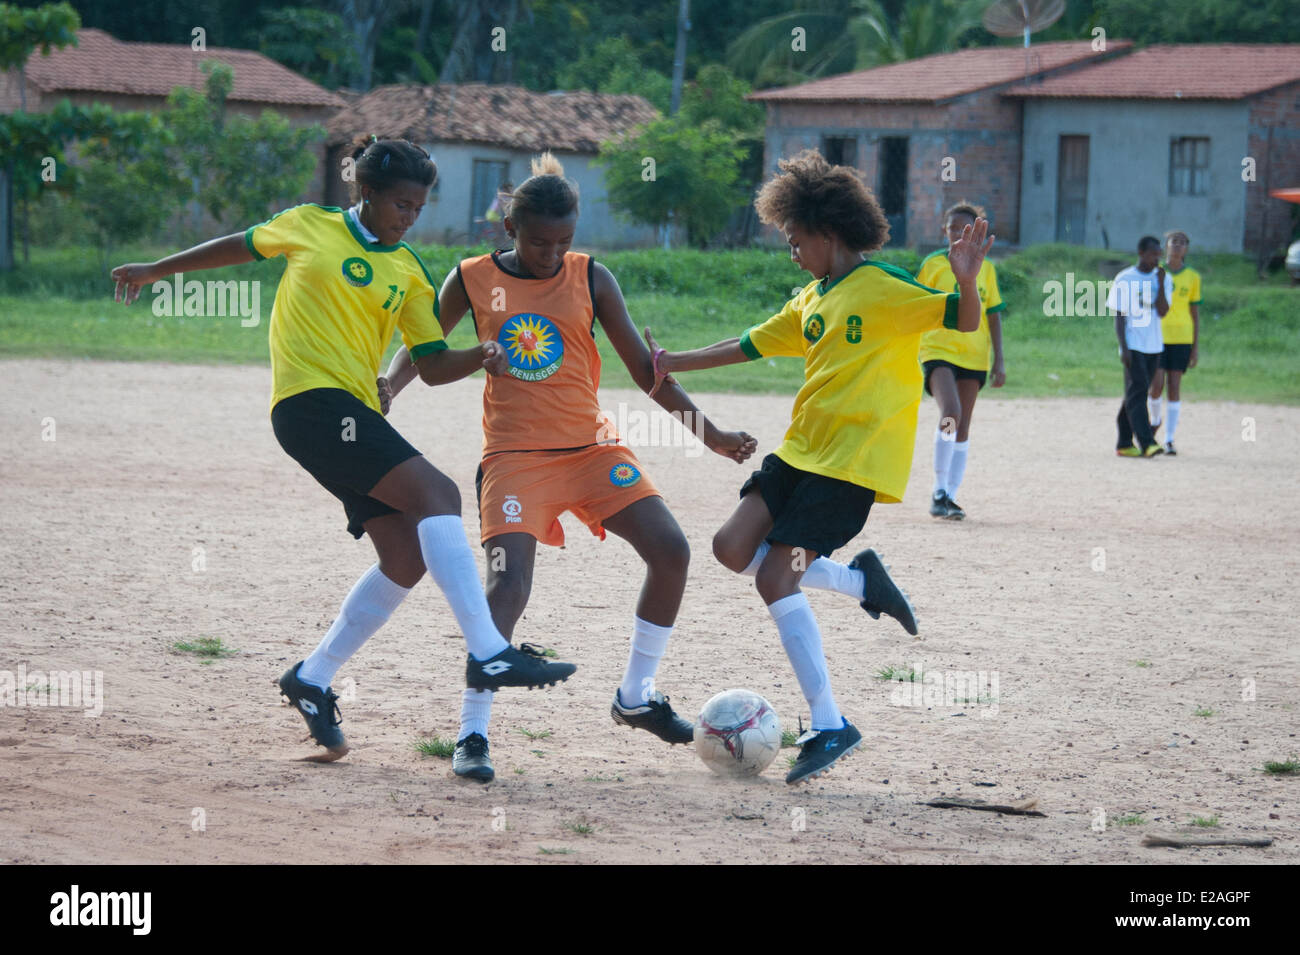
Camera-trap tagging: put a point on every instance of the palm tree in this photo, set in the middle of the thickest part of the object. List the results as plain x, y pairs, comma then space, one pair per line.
839, 37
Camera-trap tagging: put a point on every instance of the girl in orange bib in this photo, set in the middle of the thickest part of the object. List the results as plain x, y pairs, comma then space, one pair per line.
547, 448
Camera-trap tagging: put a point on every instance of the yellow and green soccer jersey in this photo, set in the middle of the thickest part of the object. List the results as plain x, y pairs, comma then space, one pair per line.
960, 348
855, 416
338, 302
1176, 327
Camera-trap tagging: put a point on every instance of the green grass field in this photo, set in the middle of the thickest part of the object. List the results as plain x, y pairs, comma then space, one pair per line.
61, 306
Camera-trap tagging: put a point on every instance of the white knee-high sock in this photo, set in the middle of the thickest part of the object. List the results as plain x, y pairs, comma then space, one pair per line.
943, 446
475, 712
1175, 407
1153, 410
451, 565
957, 470
822, 574
802, 640
365, 609
649, 641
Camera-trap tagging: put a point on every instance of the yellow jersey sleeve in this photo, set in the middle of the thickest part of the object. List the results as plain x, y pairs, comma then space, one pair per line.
282, 234
417, 319
992, 300
780, 335
913, 307
1196, 289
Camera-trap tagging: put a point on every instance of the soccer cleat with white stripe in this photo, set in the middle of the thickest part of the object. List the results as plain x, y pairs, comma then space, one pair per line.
515, 667
320, 709
654, 715
820, 749
880, 593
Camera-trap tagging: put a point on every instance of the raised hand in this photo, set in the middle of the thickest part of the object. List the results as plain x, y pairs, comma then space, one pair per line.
967, 254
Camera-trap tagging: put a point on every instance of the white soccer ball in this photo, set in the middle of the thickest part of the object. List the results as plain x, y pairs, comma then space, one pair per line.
738, 733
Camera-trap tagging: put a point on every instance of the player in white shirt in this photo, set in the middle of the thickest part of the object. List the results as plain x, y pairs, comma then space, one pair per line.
1139, 298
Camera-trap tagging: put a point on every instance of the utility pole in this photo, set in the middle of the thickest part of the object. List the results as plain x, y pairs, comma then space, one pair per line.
679, 57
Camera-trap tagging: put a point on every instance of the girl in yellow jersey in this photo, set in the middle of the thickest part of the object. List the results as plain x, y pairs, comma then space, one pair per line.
1180, 330
547, 447
349, 282
857, 327
955, 366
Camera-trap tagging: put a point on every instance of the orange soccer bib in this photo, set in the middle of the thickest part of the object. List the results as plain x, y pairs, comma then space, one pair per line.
547, 328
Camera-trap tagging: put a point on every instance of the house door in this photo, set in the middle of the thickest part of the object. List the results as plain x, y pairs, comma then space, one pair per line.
487, 178
893, 186
1072, 189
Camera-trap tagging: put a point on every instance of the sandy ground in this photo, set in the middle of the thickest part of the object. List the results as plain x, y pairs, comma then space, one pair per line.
1102, 659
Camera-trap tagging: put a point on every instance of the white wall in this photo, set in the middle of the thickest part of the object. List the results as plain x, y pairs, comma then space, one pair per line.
445, 219
1128, 170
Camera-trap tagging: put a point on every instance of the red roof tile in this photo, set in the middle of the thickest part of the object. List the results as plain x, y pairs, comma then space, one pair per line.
103, 64
507, 116
1180, 71
943, 76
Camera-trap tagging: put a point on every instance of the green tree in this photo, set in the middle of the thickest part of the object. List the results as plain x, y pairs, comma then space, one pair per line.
673, 172
612, 66
235, 164
311, 41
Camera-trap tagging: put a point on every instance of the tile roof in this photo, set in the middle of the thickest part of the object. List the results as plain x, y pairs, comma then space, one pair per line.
103, 64
1226, 71
943, 76
507, 116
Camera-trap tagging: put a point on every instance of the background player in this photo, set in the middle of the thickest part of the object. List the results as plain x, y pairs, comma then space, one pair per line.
1139, 297
547, 449
857, 326
1180, 330
955, 365
349, 281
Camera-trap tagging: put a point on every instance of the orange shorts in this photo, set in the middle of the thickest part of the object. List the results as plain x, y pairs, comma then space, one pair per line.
525, 492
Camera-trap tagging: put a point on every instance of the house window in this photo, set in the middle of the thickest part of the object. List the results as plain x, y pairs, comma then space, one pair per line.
487, 178
840, 150
1189, 166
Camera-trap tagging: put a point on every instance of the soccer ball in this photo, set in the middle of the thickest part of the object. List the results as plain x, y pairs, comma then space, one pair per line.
738, 733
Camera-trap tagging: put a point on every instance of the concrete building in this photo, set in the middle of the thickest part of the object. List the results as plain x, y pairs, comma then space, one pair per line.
1066, 143
1180, 136
481, 135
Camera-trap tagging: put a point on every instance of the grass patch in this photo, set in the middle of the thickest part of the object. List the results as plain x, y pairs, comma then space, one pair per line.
436, 746
1142, 664
1129, 819
1289, 768
542, 850
896, 673
520, 771
789, 738
533, 735
581, 828
1206, 822
210, 647
1202, 711
602, 779
61, 306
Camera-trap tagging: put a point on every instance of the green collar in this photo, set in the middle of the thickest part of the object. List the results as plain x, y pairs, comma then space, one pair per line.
823, 287
361, 239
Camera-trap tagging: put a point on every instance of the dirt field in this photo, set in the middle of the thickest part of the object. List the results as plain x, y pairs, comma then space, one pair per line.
1102, 660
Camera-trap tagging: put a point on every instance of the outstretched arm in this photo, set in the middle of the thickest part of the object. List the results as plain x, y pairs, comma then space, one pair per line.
965, 258
453, 364
611, 312
131, 278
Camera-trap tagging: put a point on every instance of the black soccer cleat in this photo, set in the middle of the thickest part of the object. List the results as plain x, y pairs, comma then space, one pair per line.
515, 667
470, 760
939, 504
881, 594
955, 513
654, 715
320, 709
819, 750
1169, 449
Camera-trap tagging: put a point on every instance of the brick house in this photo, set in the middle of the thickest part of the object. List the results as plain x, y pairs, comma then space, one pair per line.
481, 135
899, 123
1172, 136
1065, 143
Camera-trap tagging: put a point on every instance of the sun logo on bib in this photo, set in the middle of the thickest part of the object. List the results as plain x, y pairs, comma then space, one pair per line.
533, 346
624, 475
